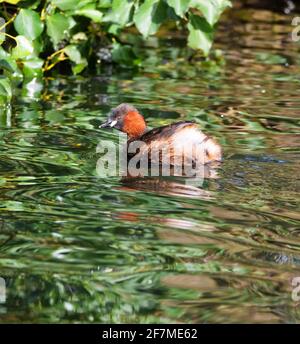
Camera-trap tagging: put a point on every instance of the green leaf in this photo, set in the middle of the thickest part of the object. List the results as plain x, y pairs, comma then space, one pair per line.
32, 68
73, 53
6, 66
58, 27
104, 4
13, 2
75, 56
114, 29
200, 34
3, 53
150, 16
120, 12
78, 68
14, 72
211, 9
5, 87
179, 6
38, 45
24, 48
65, 5
89, 11
78, 37
124, 55
28, 24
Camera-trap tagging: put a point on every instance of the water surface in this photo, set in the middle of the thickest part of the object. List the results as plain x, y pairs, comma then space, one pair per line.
78, 248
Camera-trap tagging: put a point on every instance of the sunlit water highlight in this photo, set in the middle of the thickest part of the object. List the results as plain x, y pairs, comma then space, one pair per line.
78, 248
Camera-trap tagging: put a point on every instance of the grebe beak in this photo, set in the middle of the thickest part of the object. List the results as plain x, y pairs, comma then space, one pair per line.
108, 124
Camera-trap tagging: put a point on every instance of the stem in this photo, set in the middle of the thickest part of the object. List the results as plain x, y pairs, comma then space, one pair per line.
55, 53
54, 63
10, 36
5, 14
49, 58
8, 22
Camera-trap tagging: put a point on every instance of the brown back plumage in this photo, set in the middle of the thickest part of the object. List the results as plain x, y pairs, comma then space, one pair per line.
183, 142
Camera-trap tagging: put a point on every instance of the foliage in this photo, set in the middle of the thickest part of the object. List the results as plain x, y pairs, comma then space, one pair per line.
38, 35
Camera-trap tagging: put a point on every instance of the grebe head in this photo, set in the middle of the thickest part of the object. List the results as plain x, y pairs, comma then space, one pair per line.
126, 118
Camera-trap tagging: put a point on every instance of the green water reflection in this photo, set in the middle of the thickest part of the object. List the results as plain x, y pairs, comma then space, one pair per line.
78, 248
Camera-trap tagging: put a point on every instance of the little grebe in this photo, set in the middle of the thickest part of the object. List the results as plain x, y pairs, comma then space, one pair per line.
174, 136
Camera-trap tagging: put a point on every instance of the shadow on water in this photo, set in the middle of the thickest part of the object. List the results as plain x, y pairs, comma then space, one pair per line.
76, 247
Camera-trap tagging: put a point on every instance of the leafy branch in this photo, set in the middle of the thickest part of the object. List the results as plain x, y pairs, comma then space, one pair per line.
49, 32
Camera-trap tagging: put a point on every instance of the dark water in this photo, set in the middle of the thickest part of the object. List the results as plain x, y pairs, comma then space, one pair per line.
78, 248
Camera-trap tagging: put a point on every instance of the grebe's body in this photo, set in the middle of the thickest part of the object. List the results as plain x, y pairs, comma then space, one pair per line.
183, 142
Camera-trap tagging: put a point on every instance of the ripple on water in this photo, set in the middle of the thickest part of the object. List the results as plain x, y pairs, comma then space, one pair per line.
76, 247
